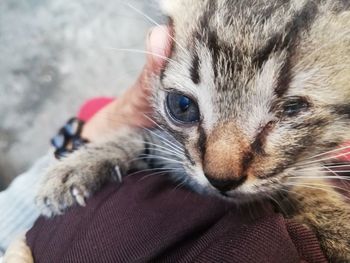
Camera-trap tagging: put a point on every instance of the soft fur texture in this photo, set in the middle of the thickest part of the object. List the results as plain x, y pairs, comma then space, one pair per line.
242, 62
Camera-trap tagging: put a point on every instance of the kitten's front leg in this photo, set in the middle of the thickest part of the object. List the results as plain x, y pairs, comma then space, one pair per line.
327, 213
75, 178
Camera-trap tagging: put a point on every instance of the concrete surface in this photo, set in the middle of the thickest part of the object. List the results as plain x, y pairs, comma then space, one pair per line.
54, 54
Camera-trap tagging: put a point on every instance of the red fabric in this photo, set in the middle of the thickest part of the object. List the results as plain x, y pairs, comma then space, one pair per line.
150, 219
90, 107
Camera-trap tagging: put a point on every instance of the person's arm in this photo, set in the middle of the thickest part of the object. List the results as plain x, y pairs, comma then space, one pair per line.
18, 211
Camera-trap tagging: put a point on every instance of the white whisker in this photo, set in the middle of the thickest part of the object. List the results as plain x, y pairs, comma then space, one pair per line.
332, 151
277, 203
327, 159
171, 150
152, 169
166, 152
180, 185
329, 170
338, 172
156, 157
168, 142
338, 166
155, 23
321, 177
150, 175
165, 131
325, 188
141, 52
321, 169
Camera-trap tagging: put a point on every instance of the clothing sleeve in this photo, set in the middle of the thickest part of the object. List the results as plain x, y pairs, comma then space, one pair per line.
17, 209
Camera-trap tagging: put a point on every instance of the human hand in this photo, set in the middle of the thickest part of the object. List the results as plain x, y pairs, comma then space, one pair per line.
131, 107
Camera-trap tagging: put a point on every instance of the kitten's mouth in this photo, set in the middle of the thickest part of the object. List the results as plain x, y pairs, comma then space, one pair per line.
246, 193
243, 190
238, 197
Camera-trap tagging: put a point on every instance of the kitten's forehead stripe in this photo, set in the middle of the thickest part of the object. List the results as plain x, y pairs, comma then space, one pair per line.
343, 110
299, 23
195, 69
273, 45
208, 35
286, 38
209, 12
172, 48
244, 60
241, 61
214, 47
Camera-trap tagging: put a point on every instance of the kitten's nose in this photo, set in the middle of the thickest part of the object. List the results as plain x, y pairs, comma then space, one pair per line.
224, 185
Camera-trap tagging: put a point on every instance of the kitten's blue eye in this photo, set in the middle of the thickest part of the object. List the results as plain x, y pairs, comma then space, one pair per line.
182, 108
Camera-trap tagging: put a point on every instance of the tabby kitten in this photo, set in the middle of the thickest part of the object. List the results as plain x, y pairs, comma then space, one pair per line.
253, 97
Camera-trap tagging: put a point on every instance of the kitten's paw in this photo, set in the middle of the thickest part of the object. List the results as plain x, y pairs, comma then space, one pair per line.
67, 184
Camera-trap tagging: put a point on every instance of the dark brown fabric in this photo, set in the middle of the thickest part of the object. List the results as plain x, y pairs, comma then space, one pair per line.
148, 219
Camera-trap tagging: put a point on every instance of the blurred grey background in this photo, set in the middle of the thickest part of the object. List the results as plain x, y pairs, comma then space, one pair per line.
55, 54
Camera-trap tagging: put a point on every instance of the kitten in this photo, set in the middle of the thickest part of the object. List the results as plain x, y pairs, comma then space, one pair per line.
253, 97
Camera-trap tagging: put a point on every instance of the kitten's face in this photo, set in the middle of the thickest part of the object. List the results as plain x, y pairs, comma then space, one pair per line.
248, 112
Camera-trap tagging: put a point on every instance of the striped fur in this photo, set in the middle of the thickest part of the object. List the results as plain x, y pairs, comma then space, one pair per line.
242, 61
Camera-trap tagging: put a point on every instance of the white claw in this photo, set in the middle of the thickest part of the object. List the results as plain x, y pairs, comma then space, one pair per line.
119, 174
79, 197
80, 200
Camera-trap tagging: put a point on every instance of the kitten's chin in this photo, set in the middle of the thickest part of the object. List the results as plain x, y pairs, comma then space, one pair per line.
241, 198
244, 194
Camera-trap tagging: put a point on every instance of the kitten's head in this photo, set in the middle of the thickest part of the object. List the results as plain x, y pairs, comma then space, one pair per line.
254, 90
